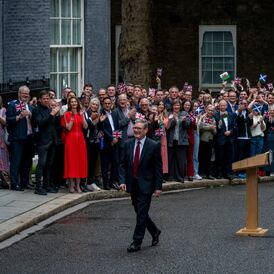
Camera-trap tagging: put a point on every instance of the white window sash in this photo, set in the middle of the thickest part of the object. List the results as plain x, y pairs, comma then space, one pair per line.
216, 28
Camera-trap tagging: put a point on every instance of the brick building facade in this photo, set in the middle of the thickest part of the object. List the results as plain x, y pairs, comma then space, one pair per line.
186, 40
30, 44
188, 36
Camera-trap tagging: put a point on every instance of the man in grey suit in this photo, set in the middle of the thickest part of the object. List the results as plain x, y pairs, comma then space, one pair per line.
141, 176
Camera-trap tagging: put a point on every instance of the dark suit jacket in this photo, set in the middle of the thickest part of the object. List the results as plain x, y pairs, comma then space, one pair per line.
229, 109
17, 130
220, 137
122, 123
107, 130
149, 169
46, 125
243, 125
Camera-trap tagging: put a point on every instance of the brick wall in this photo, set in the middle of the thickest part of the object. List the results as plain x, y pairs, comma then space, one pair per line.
26, 39
176, 24
176, 35
97, 43
115, 20
1, 44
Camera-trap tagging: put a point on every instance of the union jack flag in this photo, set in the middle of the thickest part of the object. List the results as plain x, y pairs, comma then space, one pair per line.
208, 121
121, 88
140, 116
270, 86
185, 86
159, 132
238, 80
159, 72
192, 118
20, 107
189, 88
117, 134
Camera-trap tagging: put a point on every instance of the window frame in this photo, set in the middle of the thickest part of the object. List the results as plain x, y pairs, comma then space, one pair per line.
216, 28
79, 47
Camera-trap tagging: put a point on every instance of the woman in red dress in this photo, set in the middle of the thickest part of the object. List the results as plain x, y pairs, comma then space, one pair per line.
75, 166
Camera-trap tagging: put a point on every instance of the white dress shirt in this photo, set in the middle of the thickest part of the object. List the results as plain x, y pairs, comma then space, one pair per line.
110, 120
142, 142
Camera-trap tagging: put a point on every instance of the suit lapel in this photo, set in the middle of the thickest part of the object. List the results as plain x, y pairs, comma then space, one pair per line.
131, 150
143, 151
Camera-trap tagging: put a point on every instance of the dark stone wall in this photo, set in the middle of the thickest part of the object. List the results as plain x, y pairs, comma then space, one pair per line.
26, 39
1, 43
97, 43
176, 36
115, 20
175, 30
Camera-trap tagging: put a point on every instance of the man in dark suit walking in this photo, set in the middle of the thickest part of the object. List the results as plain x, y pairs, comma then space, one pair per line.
141, 176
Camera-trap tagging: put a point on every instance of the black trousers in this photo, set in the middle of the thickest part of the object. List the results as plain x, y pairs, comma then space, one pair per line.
44, 167
177, 161
141, 203
224, 159
59, 165
205, 153
92, 152
21, 154
243, 149
109, 162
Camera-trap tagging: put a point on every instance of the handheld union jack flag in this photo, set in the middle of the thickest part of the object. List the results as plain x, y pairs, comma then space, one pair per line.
237, 80
208, 121
159, 72
140, 116
159, 132
20, 107
270, 86
266, 114
185, 86
117, 134
189, 88
192, 117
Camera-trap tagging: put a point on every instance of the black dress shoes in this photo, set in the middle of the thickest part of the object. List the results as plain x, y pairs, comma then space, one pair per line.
155, 238
133, 248
51, 189
106, 187
40, 191
16, 188
115, 186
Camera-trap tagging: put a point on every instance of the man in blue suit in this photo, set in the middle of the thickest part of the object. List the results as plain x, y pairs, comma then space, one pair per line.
20, 137
224, 139
141, 176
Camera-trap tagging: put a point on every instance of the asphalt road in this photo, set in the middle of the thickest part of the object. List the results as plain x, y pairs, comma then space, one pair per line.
198, 236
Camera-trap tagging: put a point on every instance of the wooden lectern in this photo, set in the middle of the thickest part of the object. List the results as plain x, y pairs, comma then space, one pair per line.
251, 166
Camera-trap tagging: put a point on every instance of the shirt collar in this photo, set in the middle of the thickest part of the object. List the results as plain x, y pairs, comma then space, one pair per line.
141, 141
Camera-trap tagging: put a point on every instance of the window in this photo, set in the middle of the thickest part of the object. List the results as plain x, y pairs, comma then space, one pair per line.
66, 49
217, 54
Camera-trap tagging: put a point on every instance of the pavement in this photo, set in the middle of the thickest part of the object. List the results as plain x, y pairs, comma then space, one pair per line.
21, 210
198, 237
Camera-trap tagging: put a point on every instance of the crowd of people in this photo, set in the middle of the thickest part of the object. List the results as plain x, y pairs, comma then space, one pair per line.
79, 140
